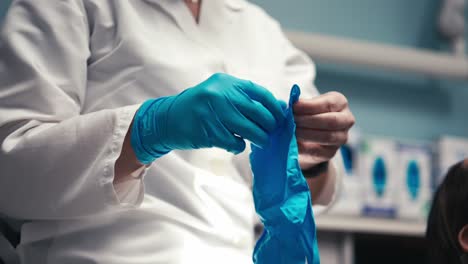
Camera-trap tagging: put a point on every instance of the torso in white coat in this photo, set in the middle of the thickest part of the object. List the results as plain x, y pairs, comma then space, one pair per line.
93, 55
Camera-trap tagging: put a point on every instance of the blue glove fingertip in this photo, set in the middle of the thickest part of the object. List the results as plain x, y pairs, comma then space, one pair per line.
238, 146
294, 95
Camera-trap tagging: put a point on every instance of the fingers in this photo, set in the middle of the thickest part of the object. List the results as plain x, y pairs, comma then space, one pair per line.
324, 137
330, 121
313, 153
308, 161
249, 119
234, 144
231, 143
218, 135
253, 133
245, 109
263, 96
255, 112
328, 102
245, 128
324, 120
322, 125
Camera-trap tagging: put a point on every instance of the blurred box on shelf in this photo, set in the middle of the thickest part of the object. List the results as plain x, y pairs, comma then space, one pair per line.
377, 167
413, 172
350, 196
392, 178
449, 150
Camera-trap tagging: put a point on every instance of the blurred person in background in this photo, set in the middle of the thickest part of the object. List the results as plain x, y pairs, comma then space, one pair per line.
447, 226
109, 112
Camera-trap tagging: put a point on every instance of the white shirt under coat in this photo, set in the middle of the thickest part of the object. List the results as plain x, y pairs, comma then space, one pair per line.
72, 75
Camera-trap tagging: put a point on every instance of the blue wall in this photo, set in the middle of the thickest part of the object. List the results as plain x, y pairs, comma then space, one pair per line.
396, 21
384, 103
399, 105
3, 7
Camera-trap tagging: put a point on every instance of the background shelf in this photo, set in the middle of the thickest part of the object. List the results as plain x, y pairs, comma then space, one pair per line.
368, 225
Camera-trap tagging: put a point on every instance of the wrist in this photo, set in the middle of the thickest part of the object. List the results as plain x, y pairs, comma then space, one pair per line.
127, 162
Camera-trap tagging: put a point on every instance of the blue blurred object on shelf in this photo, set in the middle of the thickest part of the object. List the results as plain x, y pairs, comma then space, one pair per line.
413, 179
379, 176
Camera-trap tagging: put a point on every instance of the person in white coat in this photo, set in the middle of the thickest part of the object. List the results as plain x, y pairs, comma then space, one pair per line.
73, 73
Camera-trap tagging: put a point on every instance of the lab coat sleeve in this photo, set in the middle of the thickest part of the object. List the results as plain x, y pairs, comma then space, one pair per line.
55, 162
299, 69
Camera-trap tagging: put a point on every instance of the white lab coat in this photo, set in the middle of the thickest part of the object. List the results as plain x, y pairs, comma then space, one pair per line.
72, 75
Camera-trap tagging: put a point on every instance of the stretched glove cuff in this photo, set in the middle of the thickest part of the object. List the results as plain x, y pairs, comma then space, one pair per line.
145, 132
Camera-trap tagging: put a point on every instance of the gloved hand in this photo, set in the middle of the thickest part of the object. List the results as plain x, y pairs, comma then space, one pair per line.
219, 112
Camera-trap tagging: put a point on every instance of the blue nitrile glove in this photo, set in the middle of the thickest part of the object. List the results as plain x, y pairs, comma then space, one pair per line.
282, 198
219, 112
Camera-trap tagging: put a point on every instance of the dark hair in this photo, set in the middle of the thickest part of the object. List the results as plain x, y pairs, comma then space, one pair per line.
448, 215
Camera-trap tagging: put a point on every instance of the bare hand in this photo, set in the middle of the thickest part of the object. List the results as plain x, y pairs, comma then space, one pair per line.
322, 124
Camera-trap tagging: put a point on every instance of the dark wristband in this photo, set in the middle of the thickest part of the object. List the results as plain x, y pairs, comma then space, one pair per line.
315, 170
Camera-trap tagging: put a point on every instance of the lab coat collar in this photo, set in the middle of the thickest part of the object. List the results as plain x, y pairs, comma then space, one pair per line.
214, 16
179, 13
234, 5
